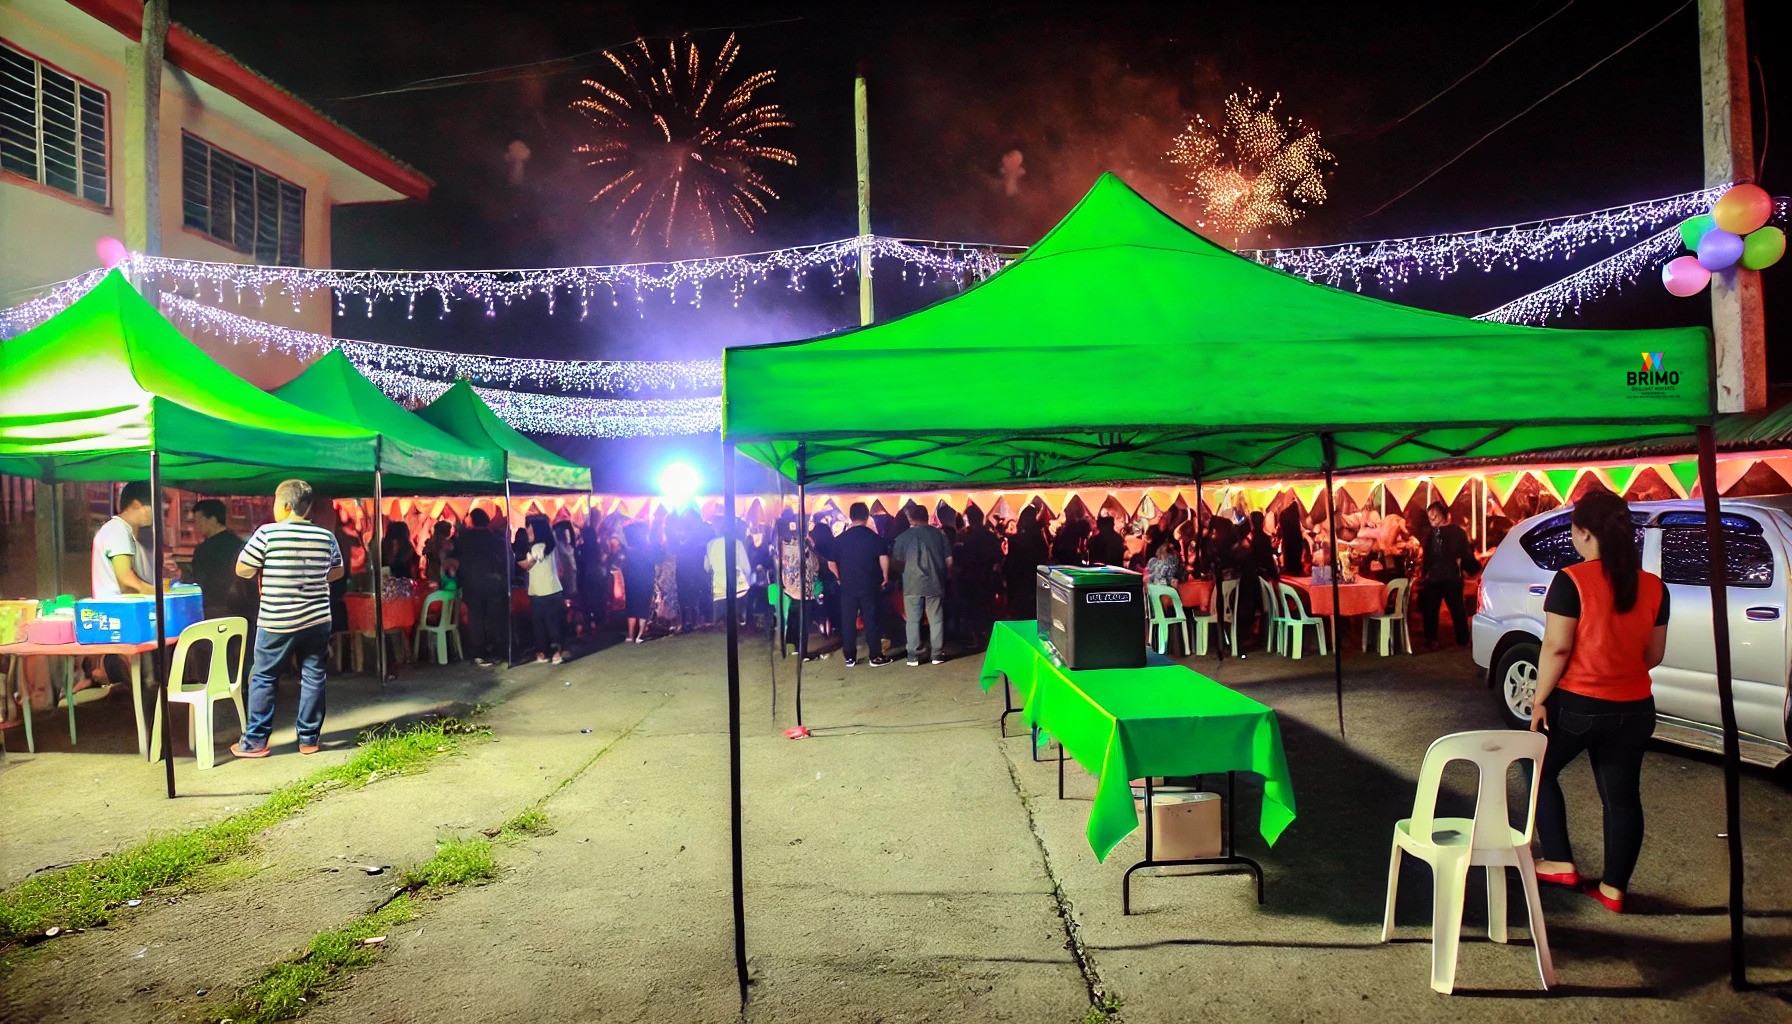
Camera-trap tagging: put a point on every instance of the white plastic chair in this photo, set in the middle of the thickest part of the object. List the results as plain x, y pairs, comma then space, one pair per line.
1398, 591
446, 626
1452, 845
223, 681
1166, 612
1275, 638
1210, 618
1295, 621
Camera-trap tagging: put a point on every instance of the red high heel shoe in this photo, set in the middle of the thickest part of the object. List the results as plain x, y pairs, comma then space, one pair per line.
1570, 879
1616, 906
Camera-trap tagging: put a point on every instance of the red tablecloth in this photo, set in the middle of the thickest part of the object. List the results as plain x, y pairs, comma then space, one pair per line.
1364, 597
400, 612
1195, 593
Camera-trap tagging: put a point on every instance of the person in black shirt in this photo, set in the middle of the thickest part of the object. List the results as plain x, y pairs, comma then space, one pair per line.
1447, 554
214, 564
979, 562
1294, 543
861, 563
484, 585
1027, 551
1107, 547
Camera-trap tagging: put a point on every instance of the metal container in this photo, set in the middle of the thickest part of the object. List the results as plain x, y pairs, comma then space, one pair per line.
1097, 616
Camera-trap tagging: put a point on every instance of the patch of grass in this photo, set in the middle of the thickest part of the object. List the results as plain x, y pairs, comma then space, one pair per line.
457, 861
287, 990
1105, 1012
84, 895
532, 822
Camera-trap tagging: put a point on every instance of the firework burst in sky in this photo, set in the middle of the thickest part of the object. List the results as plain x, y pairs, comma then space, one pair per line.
1255, 170
678, 146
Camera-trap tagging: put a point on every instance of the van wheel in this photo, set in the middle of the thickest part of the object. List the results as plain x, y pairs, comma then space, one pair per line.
1515, 681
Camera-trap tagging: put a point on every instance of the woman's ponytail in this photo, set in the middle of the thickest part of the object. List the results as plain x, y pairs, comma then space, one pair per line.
1607, 517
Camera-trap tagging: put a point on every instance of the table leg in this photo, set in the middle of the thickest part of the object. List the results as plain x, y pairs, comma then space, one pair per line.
16, 680
1008, 707
68, 695
137, 705
1060, 771
1228, 857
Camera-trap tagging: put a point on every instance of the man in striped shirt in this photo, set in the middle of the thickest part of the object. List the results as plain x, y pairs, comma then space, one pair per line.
298, 561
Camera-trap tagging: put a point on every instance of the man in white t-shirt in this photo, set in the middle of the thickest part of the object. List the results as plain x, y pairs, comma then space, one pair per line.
120, 565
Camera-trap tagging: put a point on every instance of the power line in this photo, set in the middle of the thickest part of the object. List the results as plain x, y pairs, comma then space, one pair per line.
537, 68
1471, 71
1502, 125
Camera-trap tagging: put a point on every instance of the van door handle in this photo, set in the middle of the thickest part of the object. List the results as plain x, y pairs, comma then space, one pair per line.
1539, 591
1763, 614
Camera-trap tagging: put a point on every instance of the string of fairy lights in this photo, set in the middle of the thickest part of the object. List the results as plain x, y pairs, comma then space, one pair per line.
414, 375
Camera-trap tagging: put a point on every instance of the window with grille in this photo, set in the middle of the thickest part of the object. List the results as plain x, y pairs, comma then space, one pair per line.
241, 205
52, 127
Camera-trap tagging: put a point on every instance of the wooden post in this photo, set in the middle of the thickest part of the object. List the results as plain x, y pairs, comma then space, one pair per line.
142, 128
862, 148
1736, 316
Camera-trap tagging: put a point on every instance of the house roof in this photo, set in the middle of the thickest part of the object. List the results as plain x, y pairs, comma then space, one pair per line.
211, 65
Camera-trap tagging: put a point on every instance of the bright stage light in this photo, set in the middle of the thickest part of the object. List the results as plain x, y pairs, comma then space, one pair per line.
679, 483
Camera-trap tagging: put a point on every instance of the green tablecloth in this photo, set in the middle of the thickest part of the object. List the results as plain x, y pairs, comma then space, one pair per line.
1125, 724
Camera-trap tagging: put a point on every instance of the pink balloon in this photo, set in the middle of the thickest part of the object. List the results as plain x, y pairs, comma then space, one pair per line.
1685, 276
110, 251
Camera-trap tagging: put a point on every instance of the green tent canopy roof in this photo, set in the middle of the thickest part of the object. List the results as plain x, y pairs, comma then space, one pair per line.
414, 455
1124, 347
88, 394
465, 415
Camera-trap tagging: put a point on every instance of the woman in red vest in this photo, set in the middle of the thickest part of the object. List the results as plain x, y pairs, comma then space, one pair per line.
1606, 626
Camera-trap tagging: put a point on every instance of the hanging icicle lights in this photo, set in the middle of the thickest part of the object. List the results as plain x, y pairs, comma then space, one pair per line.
26, 315
563, 374
562, 414
1611, 274
926, 261
1396, 261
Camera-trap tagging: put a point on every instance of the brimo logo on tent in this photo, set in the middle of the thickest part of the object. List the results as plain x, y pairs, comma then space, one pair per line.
1652, 374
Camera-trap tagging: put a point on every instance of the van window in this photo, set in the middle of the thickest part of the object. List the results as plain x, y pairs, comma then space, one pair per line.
1686, 557
1551, 544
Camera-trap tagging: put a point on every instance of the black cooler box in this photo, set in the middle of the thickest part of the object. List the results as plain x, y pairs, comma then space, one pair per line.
1097, 615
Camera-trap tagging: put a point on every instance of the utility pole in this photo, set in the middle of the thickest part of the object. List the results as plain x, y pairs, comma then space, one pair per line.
862, 141
1736, 316
142, 133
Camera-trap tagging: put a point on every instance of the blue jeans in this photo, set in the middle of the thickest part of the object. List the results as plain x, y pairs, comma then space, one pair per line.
312, 646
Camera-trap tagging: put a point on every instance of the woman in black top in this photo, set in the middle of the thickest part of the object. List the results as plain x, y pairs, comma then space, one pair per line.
638, 567
1020, 568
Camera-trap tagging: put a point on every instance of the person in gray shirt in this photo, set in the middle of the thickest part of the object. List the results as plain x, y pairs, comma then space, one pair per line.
925, 556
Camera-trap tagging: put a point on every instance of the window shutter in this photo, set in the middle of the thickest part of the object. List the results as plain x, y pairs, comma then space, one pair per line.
18, 113
292, 225
195, 184
94, 185
60, 132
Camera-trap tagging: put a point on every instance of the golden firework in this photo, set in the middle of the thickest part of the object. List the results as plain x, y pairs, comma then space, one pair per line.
678, 145
1253, 171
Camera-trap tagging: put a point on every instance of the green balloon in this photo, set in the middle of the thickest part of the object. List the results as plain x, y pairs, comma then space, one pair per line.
1693, 228
1762, 248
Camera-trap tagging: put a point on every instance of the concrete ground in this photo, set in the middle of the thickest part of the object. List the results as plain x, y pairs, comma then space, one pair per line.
905, 863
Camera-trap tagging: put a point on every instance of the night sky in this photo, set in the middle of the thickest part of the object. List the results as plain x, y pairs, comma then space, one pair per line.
1076, 89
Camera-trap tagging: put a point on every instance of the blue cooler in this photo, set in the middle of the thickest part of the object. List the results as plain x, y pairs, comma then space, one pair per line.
132, 619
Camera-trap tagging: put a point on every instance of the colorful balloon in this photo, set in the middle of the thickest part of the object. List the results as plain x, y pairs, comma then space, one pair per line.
1693, 228
110, 251
1742, 209
1762, 248
1719, 249
1685, 276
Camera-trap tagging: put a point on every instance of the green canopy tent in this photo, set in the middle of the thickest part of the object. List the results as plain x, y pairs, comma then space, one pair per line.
1123, 347
108, 389
462, 413
414, 457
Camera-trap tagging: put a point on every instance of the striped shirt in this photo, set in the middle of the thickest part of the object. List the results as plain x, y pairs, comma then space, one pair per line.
295, 559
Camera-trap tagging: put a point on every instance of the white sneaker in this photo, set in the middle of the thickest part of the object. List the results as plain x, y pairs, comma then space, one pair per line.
558, 658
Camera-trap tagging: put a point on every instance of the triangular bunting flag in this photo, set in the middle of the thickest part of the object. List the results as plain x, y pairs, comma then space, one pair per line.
1685, 474
1560, 481
1130, 498
1621, 477
1309, 493
1448, 487
1402, 488
1503, 484
1731, 470
1358, 488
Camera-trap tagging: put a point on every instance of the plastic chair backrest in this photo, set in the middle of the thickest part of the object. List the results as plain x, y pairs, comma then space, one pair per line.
1397, 591
442, 599
1160, 613
1229, 599
1492, 751
218, 633
1295, 610
1271, 600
